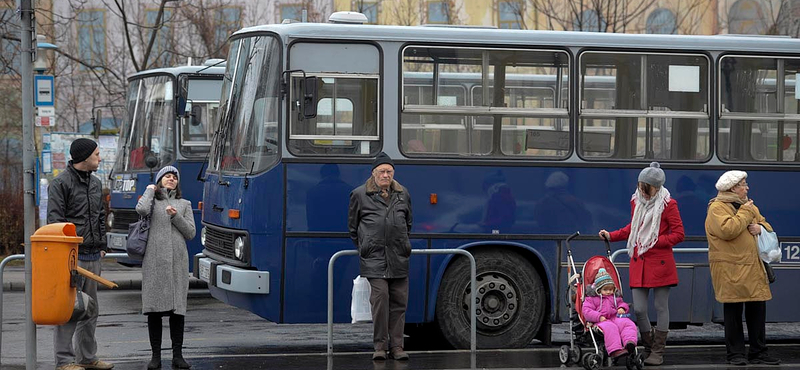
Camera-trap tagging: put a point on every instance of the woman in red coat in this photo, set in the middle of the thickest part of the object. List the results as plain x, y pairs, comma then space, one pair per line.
655, 228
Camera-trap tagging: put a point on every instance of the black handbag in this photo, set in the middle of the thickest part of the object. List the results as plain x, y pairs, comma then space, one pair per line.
138, 232
770, 272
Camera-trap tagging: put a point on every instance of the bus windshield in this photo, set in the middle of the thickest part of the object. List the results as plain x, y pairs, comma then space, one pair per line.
248, 131
148, 128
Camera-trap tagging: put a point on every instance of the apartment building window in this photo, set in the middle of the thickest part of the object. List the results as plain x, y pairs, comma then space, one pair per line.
293, 12
747, 17
161, 53
438, 12
9, 50
91, 37
589, 20
227, 22
662, 21
368, 8
510, 14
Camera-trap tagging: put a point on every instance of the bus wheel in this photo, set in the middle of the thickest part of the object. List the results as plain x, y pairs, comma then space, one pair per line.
510, 303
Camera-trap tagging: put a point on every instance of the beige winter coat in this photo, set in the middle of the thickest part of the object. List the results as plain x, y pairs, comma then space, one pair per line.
737, 273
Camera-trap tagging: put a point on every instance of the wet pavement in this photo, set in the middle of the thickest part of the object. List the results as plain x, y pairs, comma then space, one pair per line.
678, 357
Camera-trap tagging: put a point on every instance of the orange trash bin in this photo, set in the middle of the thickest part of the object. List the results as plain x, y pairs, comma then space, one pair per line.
54, 255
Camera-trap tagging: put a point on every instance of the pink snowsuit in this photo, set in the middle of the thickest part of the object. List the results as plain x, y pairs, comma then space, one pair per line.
617, 331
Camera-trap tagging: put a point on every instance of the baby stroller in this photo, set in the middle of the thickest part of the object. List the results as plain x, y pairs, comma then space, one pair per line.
583, 332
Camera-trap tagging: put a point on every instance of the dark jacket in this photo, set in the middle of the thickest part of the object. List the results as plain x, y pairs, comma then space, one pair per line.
379, 228
77, 197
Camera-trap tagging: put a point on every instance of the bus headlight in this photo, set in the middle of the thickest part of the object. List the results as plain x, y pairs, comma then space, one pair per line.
238, 248
110, 220
203, 236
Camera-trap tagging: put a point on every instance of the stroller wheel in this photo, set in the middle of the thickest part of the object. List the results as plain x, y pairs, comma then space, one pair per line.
564, 354
575, 354
592, 361
638, 361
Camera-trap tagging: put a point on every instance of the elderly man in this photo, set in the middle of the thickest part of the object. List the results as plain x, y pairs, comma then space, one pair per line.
737, 274
379, 220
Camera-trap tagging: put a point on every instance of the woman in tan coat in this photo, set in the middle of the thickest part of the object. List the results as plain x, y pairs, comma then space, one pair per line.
739, 279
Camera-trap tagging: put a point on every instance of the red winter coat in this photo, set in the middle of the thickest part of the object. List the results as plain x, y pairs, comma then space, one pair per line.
656, 267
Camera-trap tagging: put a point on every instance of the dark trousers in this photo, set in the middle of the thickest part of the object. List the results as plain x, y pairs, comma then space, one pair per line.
755, 314
389, 298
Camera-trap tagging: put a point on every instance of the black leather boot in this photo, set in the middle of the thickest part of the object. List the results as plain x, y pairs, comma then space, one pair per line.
154, 330
176, 323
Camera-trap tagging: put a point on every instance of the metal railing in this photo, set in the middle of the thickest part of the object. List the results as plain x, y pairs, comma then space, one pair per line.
28, 353
472, 316
674, 250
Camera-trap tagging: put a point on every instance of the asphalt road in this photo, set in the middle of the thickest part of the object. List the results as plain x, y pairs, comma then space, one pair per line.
219, 336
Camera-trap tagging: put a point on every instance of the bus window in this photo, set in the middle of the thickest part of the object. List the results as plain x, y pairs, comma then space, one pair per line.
346, 121
197, 128
198, 125
759, 109
529, 96
644, 106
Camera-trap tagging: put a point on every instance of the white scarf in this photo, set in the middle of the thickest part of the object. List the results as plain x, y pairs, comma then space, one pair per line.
646, 220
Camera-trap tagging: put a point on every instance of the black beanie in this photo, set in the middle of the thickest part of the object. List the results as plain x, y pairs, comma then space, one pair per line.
382, 158
81, 149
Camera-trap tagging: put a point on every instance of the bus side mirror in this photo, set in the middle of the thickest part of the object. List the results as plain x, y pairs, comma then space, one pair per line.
309, 97
197, 115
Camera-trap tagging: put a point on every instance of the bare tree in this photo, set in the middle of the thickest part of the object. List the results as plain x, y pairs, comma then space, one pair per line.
406, 12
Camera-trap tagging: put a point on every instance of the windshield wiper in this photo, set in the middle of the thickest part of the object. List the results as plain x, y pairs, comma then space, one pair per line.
213, 65
246, 180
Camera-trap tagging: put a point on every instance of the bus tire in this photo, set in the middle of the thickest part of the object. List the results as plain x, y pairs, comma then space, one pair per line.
510, 300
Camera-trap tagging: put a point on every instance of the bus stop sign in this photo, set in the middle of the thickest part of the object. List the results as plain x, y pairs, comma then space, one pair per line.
44, 94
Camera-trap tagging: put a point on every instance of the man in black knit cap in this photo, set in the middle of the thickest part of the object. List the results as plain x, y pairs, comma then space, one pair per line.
76, 196
379, 221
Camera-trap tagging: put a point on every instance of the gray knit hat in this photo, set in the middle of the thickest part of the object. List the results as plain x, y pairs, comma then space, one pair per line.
653, 175
166, 170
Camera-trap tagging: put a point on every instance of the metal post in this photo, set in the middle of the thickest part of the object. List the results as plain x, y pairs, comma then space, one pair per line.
2, 268
473, 284
26, 72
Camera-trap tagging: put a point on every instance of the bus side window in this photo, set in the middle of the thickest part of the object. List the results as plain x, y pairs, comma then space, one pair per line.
759, 109
644, 106
346, 121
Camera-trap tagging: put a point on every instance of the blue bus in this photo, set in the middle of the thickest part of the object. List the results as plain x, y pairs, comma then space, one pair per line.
508, 141
170, 121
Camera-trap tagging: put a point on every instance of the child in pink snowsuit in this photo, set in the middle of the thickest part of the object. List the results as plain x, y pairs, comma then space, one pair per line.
603, 309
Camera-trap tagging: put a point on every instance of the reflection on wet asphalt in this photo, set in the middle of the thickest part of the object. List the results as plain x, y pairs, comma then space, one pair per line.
677, 357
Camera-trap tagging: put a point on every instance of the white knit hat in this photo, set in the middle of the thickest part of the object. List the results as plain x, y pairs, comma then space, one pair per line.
730, 179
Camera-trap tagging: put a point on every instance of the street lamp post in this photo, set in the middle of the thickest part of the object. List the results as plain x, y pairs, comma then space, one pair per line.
26, 72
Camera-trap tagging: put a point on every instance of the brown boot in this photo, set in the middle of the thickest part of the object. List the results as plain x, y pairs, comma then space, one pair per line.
657, 352
399, 354
647, 342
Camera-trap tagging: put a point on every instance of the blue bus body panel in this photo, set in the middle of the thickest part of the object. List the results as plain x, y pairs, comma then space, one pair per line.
261, 208
307, 275
481, 203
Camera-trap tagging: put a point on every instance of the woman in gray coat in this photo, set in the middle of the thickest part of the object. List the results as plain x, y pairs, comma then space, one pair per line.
165, 276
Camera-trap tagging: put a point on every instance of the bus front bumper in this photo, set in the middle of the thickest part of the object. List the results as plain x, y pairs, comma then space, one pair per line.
230, 278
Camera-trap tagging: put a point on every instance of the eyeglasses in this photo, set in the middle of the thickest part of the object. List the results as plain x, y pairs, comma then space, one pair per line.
385, 172
743, 184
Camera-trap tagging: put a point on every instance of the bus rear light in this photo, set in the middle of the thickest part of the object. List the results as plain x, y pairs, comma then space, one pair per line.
200, 205
233, 213
434, 198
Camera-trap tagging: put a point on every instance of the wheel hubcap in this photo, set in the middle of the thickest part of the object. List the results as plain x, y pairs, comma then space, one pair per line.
495, 301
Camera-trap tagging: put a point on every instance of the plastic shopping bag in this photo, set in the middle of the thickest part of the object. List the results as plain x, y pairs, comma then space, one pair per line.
768, 247
360, 309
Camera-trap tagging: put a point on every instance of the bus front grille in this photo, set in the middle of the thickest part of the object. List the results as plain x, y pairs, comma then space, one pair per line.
220, 242
123, 218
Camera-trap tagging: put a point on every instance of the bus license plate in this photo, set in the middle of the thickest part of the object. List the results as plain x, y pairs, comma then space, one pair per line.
117, 241
205, 272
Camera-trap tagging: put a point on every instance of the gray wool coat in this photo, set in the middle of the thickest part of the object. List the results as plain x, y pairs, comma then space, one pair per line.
165, 268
